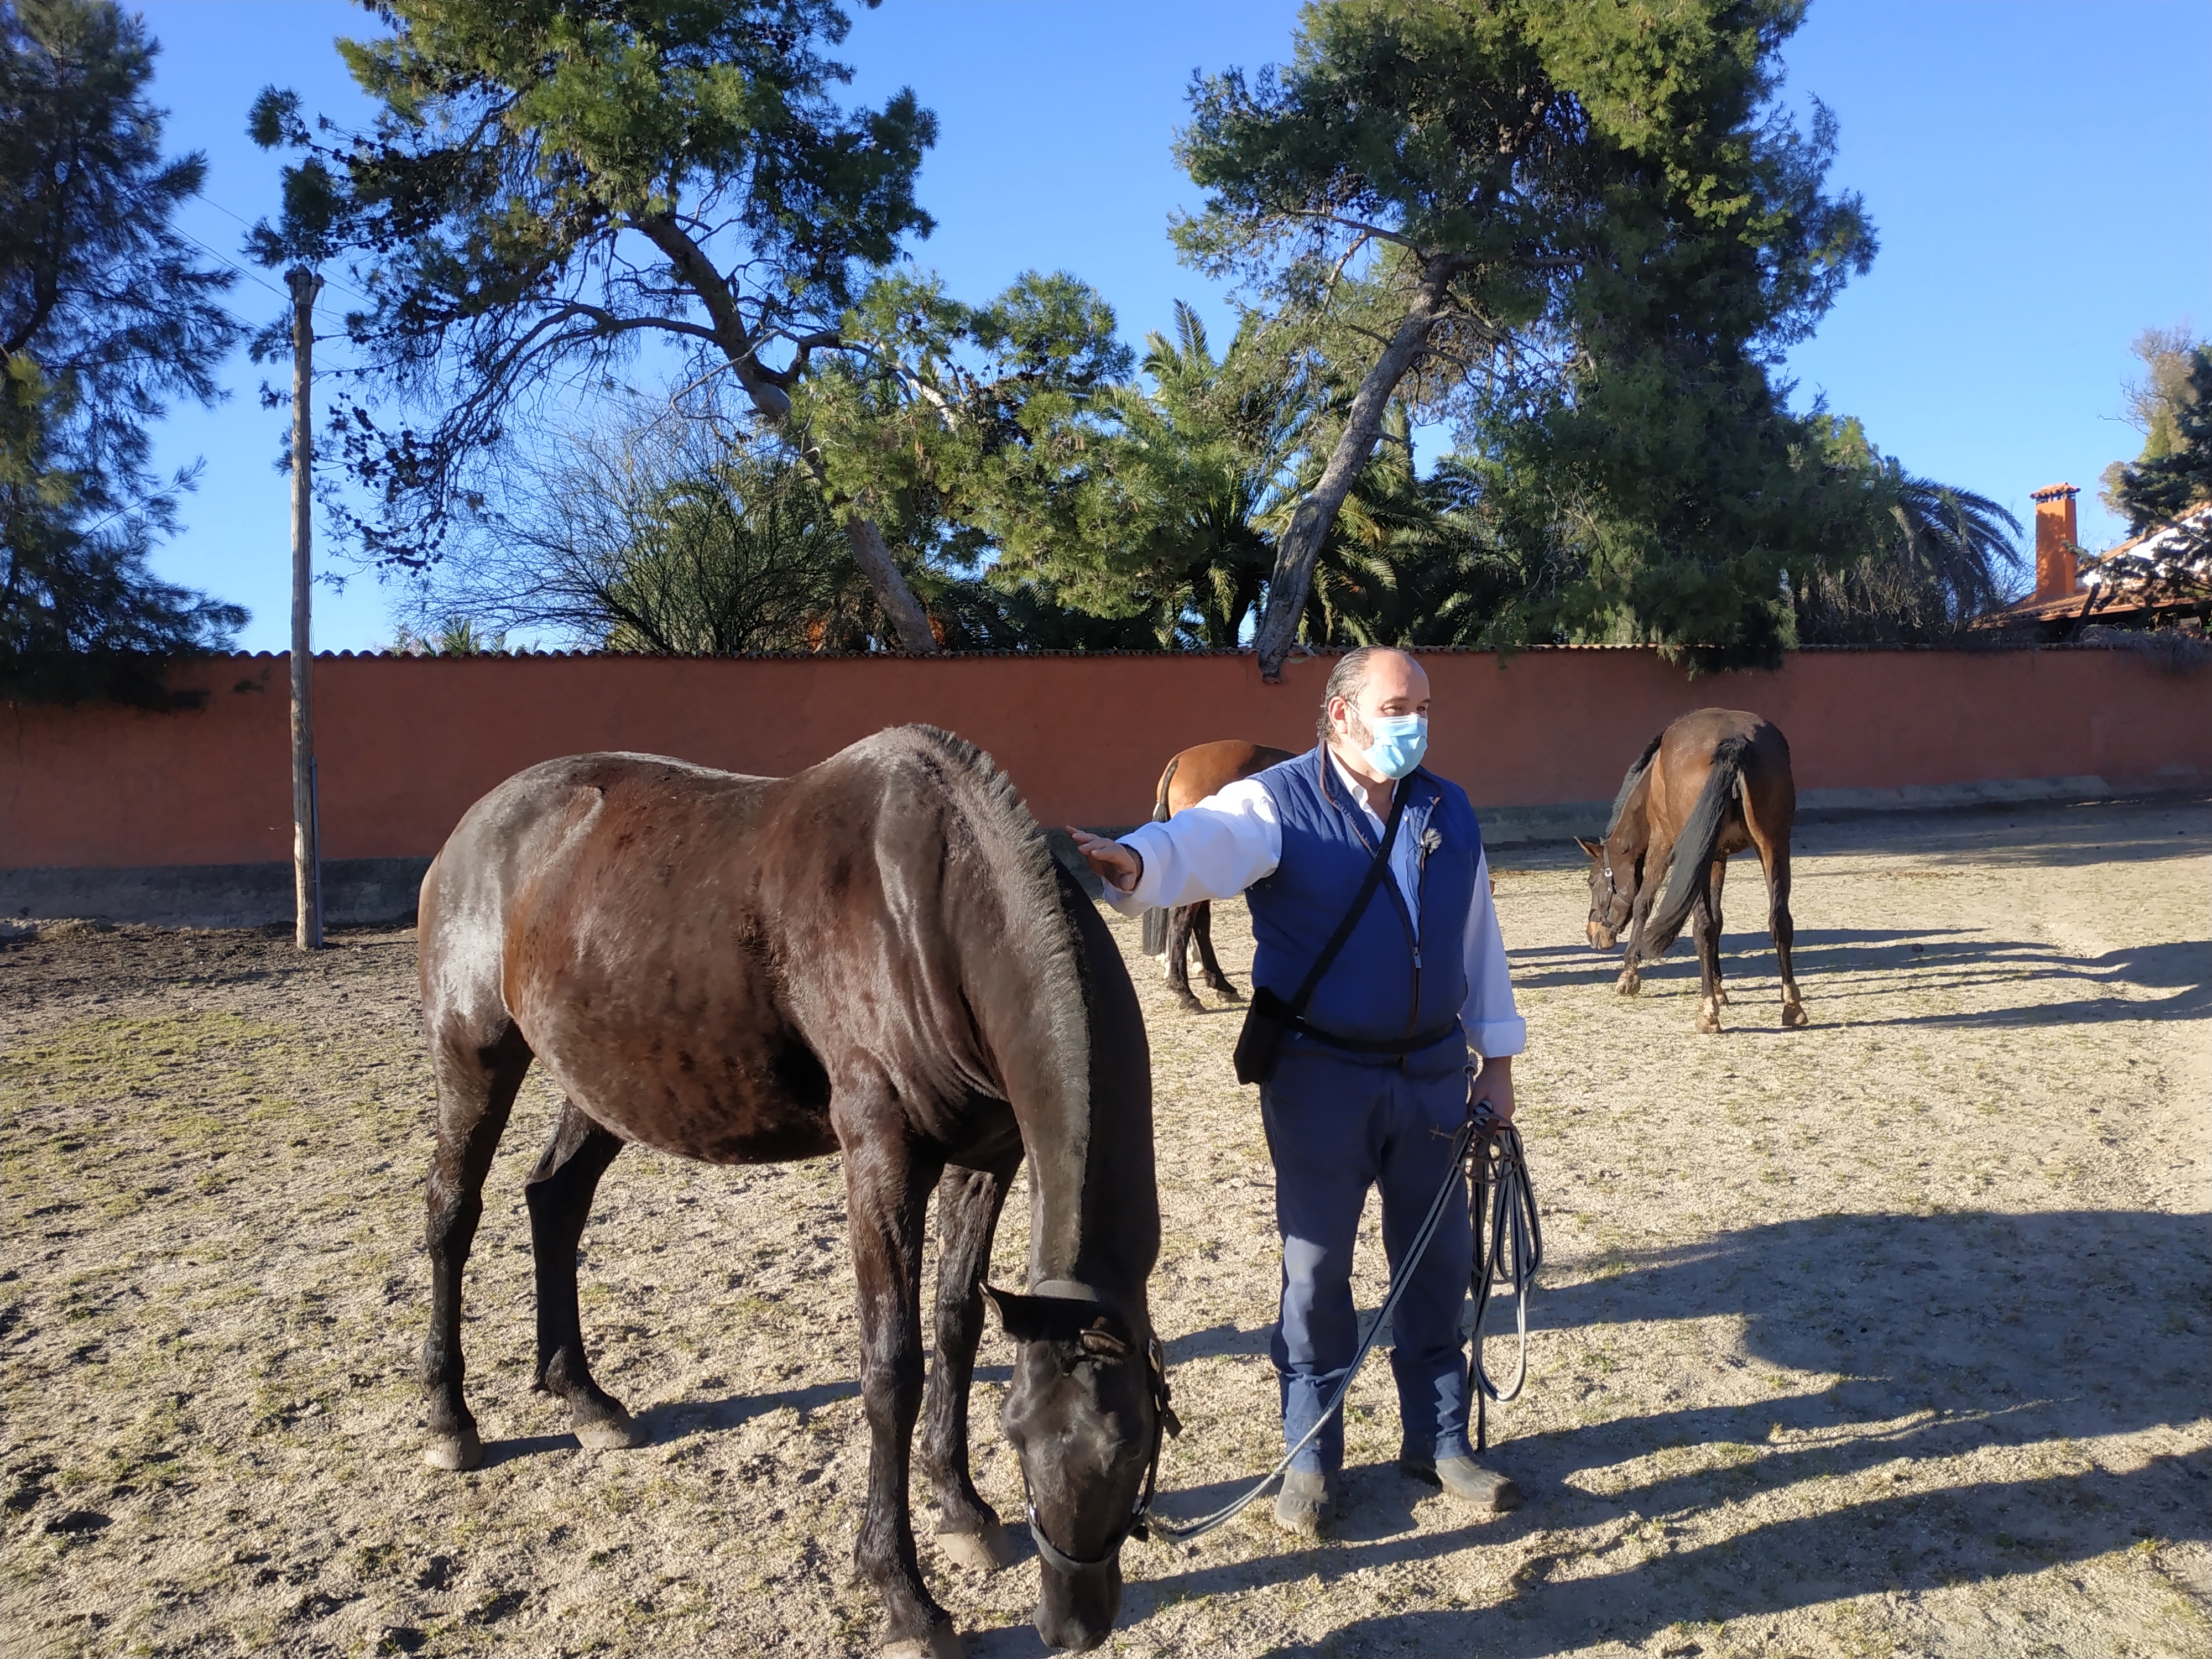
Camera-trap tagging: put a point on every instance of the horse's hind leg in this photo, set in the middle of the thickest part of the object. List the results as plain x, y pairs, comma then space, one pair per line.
1784, 929
559, 1192
1705, 926
479, 1066
1202, 931
1182, 920
968, 1204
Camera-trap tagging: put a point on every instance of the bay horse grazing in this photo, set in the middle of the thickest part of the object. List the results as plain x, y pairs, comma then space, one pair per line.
877, 956
1190, 777
1713, 783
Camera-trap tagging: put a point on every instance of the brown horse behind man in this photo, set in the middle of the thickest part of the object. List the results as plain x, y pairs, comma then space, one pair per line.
1190, 777
1712, 784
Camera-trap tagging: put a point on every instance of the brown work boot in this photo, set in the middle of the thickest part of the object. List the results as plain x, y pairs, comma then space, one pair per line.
1306, 1506
1465, 1480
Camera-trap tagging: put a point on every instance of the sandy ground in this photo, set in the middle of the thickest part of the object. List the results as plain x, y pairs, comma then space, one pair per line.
1885, 1337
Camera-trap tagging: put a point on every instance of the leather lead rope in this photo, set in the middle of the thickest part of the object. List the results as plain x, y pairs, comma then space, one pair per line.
1500, 1194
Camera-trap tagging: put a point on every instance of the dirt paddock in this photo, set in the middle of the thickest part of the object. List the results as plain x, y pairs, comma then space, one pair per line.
1888, 1336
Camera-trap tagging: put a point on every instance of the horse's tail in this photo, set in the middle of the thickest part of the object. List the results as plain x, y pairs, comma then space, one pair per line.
1156, 920
1694, 848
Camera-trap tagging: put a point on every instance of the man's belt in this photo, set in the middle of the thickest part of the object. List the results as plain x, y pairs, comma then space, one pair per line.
1411, 1044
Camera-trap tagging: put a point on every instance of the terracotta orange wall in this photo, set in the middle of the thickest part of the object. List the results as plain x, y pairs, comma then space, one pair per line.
407, 743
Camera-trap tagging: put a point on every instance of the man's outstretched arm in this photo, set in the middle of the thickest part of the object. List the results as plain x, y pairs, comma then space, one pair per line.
1212, 850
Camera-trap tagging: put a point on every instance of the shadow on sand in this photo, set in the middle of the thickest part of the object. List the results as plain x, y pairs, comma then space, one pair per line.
1953, 1334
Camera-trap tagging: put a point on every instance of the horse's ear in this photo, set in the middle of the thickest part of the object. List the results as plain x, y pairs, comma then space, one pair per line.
1103, 1342
1590, 847
1036, 1318
1058, 1318
1013, 1308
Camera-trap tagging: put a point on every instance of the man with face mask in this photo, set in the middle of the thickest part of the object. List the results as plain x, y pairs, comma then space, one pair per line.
1369, 1087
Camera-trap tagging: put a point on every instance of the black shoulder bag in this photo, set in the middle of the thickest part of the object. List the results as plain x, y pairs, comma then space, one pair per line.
1269, 1020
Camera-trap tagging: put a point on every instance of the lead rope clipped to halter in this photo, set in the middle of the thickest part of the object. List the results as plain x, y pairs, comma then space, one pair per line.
1498, 1175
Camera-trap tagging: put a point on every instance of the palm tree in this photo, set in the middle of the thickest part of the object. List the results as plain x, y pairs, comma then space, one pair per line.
1214, 441
1938, 556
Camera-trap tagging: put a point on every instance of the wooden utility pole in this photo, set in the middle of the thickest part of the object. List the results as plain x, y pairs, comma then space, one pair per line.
307, 842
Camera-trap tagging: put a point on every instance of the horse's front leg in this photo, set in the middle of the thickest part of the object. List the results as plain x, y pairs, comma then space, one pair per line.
887, 1182
1640, 910
968, 1204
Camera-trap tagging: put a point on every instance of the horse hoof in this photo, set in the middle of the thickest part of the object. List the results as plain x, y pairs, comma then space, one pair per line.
1628, 985
616, 1433
454, 1452
1793, 1015
1229, 993
1709, 1024
987, 1550
943, 1642
1189, 1003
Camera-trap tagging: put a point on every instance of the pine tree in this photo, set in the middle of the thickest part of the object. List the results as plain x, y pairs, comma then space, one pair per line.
106, 315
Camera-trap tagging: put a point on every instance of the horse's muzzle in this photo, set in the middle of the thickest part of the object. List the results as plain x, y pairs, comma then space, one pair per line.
1078, 1610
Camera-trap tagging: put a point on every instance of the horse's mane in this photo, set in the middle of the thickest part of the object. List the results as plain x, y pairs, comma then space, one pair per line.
1002, 809
1628, 785
1038, 927
1015, 847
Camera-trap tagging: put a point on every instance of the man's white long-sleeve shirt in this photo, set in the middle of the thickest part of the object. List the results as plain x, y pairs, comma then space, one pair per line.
1220, 846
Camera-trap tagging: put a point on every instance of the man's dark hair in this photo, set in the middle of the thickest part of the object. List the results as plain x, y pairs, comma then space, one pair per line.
1346, 680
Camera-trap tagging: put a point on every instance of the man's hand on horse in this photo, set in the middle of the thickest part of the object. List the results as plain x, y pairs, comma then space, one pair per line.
1494, 1083
1117, 865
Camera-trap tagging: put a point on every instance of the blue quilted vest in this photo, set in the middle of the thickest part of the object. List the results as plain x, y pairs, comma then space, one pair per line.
1382, 987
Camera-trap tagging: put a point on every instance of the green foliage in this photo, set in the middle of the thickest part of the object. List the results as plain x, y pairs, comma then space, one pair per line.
1413, 560
1597, 232
104, 315
996, 418
549, 183
81, 614
2175, 471
1934, 558
675, 534
2153, 401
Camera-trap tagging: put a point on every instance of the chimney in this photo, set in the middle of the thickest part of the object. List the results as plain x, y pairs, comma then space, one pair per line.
2054, 542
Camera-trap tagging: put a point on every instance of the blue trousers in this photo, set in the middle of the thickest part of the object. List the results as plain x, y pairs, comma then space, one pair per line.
1337, 1124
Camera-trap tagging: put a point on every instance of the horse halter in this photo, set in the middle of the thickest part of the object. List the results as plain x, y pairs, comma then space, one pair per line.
1605, 864
1137, 1525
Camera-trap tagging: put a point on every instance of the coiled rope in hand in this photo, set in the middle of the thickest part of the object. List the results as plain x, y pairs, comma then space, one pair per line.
1499, 1174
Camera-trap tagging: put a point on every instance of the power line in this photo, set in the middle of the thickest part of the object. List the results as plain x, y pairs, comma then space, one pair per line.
248, 223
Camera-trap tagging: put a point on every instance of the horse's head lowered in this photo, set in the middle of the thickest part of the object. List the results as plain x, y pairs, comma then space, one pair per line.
1086, 1414
1613, 880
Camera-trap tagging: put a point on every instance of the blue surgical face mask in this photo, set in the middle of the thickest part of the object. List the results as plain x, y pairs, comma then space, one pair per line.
1401, 740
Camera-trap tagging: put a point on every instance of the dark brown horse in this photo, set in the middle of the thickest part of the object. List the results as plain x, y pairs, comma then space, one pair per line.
1710, 785
1190, 777
877, 957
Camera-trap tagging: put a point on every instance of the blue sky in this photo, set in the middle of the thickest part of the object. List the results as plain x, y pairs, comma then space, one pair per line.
2038, 174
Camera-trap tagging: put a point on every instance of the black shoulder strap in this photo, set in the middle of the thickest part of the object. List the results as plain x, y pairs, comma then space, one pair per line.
1337, 940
